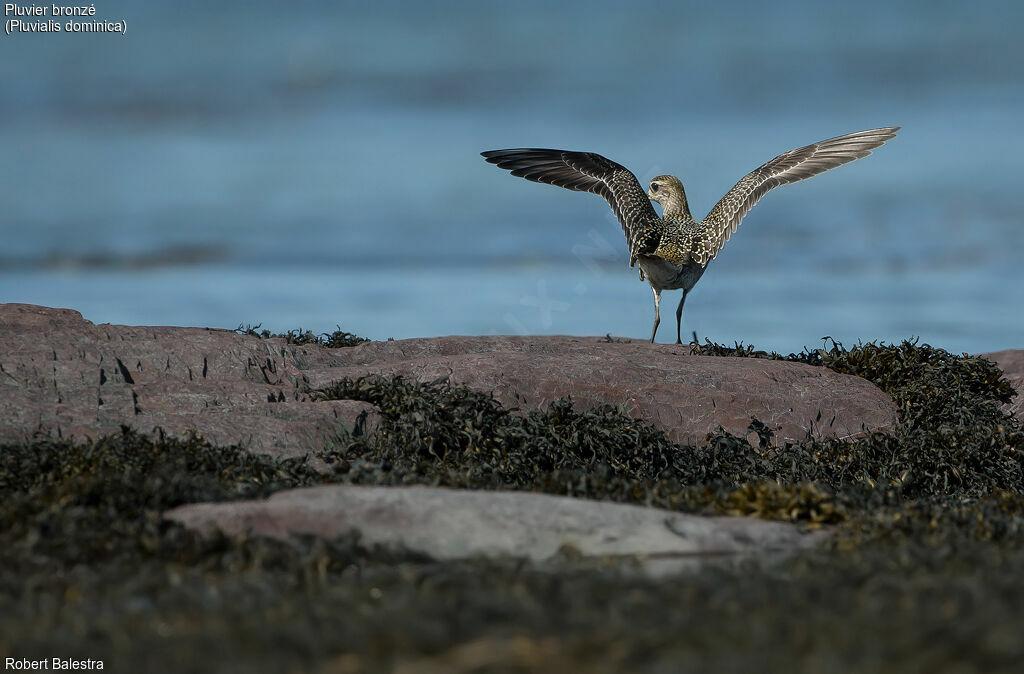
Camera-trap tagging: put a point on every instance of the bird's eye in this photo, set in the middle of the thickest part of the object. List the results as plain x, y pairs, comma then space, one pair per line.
654, 187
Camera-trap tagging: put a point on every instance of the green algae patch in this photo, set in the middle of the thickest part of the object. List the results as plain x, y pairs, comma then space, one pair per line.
921, 572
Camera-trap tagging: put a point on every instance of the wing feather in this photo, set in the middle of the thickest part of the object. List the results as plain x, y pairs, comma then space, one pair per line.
788, 167
589, 172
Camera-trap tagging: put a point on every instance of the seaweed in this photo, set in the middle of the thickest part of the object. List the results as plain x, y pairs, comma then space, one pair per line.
921, 572
952, 441
333, 340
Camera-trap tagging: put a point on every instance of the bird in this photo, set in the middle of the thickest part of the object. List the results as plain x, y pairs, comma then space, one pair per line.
674, 250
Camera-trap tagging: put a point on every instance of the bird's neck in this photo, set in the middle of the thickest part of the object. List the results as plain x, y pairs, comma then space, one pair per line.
676, 209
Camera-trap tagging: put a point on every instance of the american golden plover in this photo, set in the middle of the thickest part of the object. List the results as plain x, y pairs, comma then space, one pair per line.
674, 250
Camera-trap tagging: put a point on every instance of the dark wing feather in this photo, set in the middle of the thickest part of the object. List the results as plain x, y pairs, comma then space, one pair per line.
788, 167
589, 172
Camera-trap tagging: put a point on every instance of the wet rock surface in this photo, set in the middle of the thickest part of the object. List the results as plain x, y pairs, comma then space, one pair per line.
453, 524
66, 377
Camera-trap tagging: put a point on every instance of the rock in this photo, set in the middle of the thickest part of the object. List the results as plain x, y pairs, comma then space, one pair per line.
685, 395
1011, 362
64, 376
454, 524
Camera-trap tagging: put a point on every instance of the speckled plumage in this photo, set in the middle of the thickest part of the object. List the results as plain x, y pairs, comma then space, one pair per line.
674, 250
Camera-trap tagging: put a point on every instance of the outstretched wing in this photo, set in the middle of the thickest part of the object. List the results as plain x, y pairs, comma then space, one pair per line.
589, 172
788, 167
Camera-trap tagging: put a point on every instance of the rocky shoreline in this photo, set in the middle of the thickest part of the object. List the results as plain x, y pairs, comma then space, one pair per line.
68, 378
327, 459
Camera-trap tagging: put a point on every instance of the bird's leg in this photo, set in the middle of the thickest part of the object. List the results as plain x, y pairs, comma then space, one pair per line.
657, 316
679, 319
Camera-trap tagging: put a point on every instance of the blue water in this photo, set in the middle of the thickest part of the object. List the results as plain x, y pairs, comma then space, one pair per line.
293, 164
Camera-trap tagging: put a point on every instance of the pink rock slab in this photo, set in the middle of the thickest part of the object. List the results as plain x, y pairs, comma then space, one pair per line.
63, 376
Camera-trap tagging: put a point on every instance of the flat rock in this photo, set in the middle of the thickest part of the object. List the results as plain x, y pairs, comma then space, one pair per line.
63, 376
1011, 362
686, 395
454, 524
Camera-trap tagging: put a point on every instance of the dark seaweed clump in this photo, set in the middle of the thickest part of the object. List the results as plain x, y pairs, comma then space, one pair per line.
952, 442
922, 574
332, 340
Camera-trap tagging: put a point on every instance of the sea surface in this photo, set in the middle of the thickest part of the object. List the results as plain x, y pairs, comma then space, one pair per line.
317, 166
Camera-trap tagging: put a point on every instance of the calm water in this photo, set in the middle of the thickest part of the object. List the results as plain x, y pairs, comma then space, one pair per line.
295, 165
